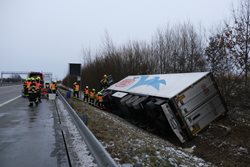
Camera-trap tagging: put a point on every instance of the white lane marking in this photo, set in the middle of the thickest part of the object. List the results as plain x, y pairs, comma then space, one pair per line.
9, 86
3, 114
1, 105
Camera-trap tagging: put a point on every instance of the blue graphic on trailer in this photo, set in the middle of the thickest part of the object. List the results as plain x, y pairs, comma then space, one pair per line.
154, 82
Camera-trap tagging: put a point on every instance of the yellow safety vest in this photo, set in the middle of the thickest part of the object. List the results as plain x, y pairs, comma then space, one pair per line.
92, 94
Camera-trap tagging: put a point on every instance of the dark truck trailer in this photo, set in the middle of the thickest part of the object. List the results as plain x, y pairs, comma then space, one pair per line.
184, 102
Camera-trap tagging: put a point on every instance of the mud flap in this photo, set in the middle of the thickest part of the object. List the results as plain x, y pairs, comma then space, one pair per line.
173, 122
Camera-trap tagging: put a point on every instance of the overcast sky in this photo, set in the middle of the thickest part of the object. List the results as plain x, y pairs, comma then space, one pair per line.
46, 35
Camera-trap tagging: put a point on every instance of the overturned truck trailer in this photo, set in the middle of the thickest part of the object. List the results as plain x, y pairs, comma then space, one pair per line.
184, 102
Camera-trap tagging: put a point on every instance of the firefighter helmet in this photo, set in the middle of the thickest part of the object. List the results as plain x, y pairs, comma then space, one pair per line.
32, 79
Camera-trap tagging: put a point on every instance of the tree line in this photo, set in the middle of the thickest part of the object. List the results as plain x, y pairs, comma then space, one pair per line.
177, 49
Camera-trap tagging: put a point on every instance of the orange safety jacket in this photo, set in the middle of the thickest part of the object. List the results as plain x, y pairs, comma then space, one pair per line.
38, 85
92, 95
100, 98
86, 91
76, 87
53, 86
28, 83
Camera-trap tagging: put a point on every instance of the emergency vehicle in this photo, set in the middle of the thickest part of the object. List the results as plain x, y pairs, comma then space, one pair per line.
46, 79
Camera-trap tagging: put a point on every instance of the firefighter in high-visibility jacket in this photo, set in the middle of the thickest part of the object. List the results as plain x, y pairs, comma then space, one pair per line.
27, 85
100, 100
32, 93
25, 89
38, 88
53, 87
47, 85
92, 97
86, 94
104, 81
76, 88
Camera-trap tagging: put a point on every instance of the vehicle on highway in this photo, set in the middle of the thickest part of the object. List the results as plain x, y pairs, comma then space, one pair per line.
45, 81
37, 74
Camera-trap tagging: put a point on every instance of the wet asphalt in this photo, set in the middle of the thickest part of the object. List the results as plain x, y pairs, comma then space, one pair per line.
29, 136
9, 92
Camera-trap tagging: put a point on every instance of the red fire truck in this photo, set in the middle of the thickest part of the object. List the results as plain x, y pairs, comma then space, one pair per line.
45, 86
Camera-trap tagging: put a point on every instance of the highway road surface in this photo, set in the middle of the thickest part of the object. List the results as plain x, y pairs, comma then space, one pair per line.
8, 93
32, 136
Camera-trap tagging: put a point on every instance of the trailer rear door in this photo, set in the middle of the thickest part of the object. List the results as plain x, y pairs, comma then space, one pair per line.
200, 104
173, 122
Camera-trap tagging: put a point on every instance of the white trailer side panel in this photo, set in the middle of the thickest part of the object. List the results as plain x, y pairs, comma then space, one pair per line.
161, 85
196, 95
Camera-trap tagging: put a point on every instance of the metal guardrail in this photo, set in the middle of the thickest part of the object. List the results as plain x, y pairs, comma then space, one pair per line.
102, 157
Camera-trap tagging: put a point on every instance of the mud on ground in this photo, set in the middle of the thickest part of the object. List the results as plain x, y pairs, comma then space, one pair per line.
226, 142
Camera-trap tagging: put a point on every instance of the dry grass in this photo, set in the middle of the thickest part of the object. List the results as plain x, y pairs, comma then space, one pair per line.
127, 143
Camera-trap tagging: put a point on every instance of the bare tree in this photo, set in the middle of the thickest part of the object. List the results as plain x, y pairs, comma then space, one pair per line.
228, 54
239, 41
172, 49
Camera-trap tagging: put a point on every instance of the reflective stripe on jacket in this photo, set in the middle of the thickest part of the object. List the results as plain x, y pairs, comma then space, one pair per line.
32, 88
